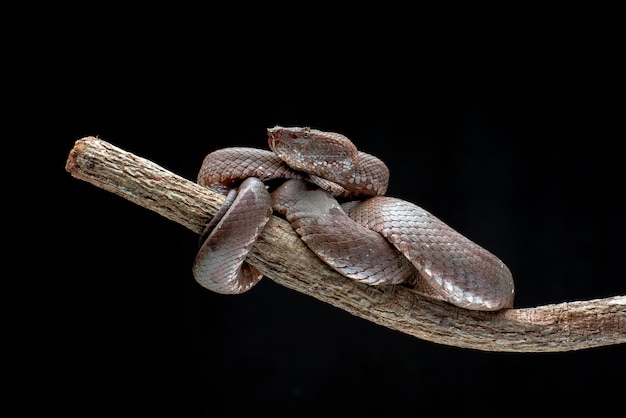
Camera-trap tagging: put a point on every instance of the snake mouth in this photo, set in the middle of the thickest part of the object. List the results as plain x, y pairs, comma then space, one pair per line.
274, 136
283, 141
271, 137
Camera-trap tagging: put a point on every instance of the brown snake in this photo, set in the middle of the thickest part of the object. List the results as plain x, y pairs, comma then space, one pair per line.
369, 237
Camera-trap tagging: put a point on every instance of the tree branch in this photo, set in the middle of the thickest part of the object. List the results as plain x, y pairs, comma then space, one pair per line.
281, 256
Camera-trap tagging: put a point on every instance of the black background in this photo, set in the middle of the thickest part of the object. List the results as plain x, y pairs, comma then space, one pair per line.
513, 141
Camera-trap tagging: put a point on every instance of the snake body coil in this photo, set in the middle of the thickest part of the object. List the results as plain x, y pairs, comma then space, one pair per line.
371, 238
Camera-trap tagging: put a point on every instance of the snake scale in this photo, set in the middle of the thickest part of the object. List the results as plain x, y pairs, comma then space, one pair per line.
334, 197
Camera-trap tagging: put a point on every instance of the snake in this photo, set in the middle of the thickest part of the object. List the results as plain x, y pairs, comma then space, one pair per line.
334, 197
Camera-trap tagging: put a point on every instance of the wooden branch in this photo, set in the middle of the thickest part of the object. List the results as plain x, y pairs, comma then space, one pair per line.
281, 256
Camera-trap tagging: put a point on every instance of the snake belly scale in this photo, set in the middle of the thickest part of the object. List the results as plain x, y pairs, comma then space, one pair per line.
334, 197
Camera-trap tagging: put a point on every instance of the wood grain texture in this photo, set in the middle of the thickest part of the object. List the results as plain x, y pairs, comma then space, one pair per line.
281, 256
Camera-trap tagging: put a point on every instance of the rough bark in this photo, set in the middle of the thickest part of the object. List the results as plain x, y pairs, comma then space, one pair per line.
281, 256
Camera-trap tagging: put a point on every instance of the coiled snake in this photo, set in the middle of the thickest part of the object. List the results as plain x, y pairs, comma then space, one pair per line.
368, 237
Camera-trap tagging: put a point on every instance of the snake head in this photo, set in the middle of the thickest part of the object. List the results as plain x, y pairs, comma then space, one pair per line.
324, 154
